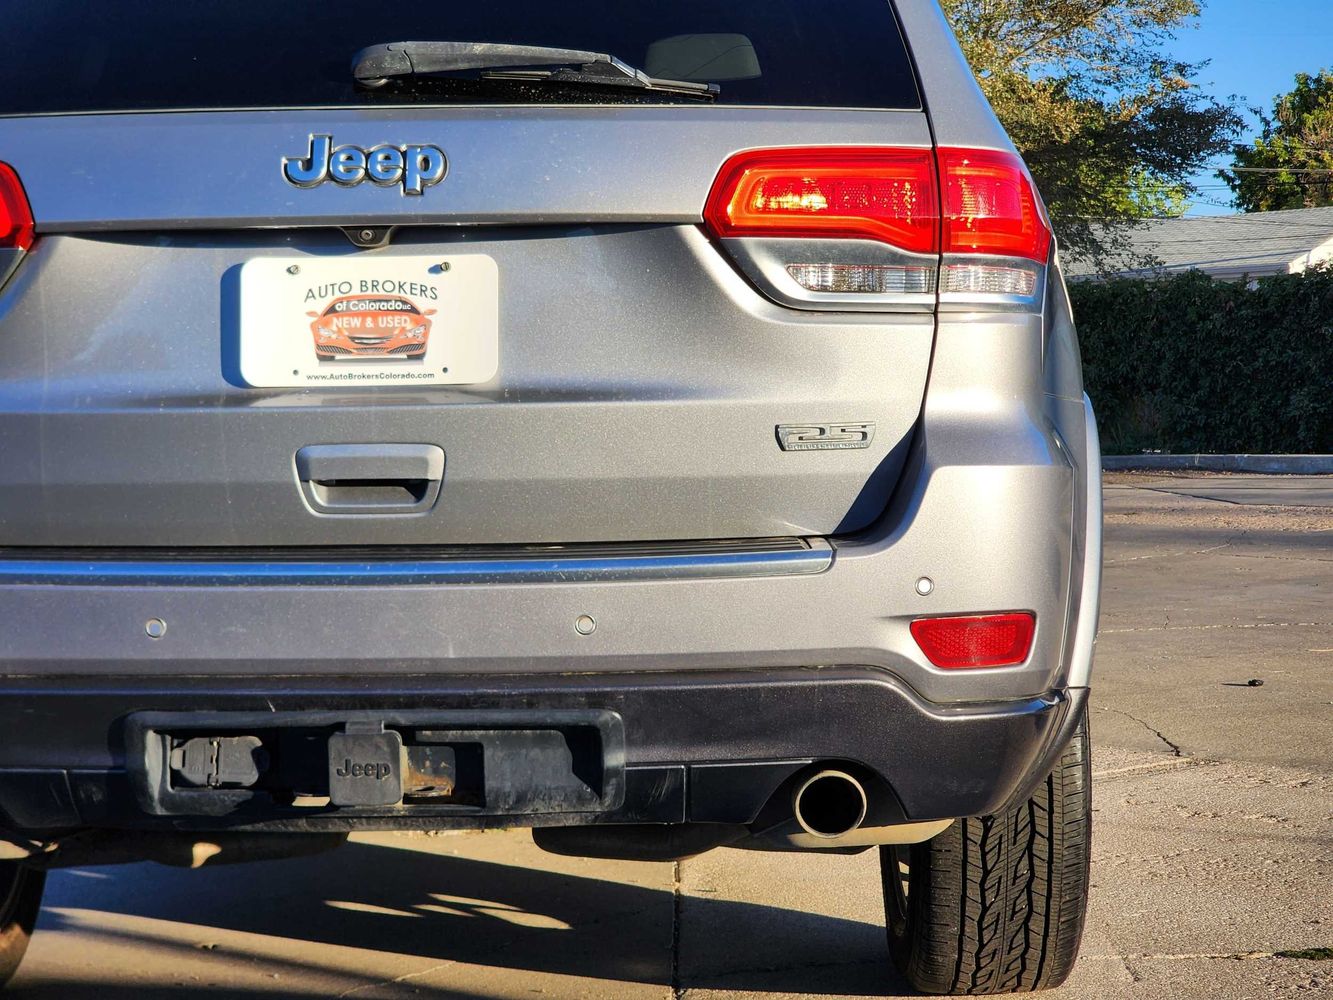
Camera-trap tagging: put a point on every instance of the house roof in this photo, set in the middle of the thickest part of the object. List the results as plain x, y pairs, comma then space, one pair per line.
1233, 246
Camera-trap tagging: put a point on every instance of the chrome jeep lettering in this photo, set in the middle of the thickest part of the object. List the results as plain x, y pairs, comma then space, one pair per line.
313, 168
413, 168
423, 166
385, 166
347, 165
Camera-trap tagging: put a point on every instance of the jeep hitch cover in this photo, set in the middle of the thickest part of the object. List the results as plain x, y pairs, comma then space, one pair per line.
365, 768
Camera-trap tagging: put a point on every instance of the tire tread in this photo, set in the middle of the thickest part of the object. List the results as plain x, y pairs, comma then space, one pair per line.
997, 903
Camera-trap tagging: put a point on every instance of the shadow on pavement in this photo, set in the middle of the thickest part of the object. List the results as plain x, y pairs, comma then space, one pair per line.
455, 909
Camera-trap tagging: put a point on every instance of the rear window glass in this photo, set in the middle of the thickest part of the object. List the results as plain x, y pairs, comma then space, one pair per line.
123, 55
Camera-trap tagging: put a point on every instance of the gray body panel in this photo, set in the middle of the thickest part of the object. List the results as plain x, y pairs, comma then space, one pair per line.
627, 405
960, 115
530, 165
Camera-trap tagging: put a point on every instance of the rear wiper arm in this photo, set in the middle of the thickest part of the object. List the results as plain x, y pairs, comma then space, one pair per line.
376, 65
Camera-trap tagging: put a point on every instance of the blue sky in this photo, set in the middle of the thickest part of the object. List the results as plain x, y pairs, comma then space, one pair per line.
1256, 48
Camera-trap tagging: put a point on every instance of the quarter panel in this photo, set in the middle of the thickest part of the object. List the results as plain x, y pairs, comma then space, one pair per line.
959, 113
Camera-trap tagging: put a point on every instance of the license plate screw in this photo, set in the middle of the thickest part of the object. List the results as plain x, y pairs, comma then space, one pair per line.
155, 627
294, 269
444, 266
584, 625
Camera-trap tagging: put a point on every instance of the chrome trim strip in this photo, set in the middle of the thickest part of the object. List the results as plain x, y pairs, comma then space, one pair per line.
815, 558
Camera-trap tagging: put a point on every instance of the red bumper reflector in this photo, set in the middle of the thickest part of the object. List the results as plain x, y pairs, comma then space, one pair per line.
979, 641
16, 226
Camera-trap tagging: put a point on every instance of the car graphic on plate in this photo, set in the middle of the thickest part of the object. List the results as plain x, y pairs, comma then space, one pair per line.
371, 326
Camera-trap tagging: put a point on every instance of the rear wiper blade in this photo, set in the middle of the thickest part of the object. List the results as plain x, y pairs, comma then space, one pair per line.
376, 65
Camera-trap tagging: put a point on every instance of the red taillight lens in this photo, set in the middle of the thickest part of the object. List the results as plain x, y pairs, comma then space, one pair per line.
973, 212
16, 226
888, 195
979, 641
990, 206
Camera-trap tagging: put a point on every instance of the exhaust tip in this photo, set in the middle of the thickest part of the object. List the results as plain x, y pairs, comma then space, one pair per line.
829, 804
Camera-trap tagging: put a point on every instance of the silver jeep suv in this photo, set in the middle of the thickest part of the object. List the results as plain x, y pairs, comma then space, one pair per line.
659, 426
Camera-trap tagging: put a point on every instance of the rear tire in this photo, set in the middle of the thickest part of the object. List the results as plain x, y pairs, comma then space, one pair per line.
996, 904
20, 899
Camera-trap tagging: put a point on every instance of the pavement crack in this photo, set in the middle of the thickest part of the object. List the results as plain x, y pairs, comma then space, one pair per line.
677, 989
1300, 954
1210, 628
1270, 558
1177, 492
1134, 976
1306, 954
1192, 956
353, 991
1168, 555
846, 963
1175, 749
1154, 767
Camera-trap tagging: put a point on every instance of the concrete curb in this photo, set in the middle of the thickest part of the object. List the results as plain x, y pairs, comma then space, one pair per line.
1308, 465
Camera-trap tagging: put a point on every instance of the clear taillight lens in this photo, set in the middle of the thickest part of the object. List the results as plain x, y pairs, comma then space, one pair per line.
863, 279
987, 279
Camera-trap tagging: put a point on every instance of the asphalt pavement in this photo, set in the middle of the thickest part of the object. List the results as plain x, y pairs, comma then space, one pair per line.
1213, 851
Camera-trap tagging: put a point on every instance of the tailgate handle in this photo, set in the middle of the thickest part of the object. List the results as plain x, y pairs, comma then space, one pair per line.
370, 478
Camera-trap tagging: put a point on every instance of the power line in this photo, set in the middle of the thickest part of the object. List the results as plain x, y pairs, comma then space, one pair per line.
1285, 144
1271, 227
1248, 220
1279, 170
1246, 223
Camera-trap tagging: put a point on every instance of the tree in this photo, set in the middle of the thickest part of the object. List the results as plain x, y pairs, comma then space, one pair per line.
1291, 166
1111, 129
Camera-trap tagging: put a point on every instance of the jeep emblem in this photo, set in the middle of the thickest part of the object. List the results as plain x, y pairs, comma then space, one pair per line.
414, 168
370, 769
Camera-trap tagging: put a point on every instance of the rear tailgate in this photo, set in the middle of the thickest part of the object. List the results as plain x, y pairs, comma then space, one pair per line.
598, 368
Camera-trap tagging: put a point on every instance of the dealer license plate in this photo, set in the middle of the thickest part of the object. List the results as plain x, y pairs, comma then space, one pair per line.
362, 320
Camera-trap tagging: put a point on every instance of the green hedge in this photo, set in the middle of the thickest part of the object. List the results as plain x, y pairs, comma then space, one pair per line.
1189, 364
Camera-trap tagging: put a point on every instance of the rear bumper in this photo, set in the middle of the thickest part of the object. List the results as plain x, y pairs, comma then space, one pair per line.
729, 673
707, 747
991, 532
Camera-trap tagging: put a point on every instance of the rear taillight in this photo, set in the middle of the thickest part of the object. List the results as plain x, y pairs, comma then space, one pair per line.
868, 227
991, 210
887, 195
976, 641
990, 206
16, 226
